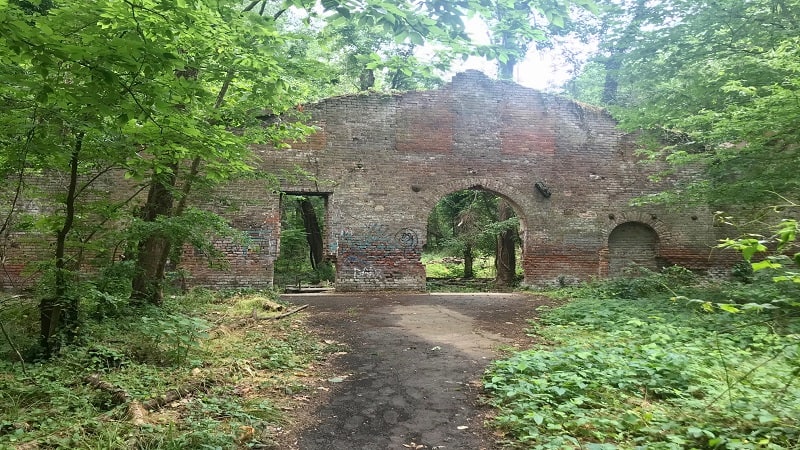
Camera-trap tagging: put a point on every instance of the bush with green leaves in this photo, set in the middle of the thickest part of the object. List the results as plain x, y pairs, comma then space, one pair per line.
640, 281
147, 351
650, 373
172, 337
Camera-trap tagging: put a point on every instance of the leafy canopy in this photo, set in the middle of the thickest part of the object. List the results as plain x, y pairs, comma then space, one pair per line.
716, 80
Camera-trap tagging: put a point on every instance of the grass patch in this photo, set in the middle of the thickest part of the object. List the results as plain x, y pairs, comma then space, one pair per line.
443, 266
651, 372
252, 371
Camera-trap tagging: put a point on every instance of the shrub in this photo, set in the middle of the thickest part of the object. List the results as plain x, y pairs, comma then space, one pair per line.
649, 373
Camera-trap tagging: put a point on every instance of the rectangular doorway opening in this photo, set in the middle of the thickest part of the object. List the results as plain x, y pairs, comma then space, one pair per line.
302, 264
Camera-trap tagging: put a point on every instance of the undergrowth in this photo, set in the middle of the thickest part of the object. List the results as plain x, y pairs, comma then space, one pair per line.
251, 370
626, 365
444, 266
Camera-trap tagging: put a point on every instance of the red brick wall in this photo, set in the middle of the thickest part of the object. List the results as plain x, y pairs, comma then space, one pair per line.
384, 161
388, 159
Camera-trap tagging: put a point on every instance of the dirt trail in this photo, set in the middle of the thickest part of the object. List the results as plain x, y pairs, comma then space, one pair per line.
411, 376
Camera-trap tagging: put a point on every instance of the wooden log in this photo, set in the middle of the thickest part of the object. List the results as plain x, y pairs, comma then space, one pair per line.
177, 394
133, 409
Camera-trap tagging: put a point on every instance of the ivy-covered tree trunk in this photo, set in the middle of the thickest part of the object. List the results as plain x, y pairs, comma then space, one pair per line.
505, 258
61, 309
313, 232
154, 250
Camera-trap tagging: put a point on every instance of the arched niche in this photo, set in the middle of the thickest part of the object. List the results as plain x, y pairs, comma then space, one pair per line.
632, 244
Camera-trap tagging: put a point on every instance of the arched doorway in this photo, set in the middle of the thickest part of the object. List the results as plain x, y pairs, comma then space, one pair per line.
472, 239
632, 244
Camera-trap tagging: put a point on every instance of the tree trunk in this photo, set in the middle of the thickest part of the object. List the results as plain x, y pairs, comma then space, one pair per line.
186, 189
51, 309
313, 232
366, 80
613, 62
505, 259
505, 70
151, 260
469, 272
610, 84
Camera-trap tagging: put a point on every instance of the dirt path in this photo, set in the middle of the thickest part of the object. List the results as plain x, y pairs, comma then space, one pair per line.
411, 376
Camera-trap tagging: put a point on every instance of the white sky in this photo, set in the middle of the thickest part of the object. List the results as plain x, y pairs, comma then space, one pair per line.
539, 70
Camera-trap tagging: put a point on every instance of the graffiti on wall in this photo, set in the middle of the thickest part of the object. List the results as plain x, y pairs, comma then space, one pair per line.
364, 252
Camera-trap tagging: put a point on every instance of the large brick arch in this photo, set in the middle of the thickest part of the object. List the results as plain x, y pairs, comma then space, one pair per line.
384, 160
497, 187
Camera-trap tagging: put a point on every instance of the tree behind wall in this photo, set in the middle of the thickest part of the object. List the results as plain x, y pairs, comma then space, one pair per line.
717, 82
466, 223
302, 258
311, 224
505, 257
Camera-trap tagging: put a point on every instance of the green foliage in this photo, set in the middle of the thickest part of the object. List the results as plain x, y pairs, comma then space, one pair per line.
145, 351
466, 217
743, 272
648, 373
367, 58
774, 258
165, 93
515, 26
641, 282
195, 227
446, 267
172, 338
715, 81
442, 266
18, 315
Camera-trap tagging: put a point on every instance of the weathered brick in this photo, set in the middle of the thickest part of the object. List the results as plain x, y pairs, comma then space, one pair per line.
384, 161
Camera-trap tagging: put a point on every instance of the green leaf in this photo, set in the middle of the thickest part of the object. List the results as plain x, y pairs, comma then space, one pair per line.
416, 38
557, 20
765, 264
342, 11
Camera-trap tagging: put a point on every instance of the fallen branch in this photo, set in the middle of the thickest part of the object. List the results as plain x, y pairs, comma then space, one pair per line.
255, 317
119, 395
288, 313
134, 409
177, 394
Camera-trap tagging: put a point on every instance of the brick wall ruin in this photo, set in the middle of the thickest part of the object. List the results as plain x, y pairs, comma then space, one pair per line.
384, 161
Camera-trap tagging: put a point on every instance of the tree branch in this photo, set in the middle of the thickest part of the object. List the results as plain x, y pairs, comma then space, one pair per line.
14, 347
